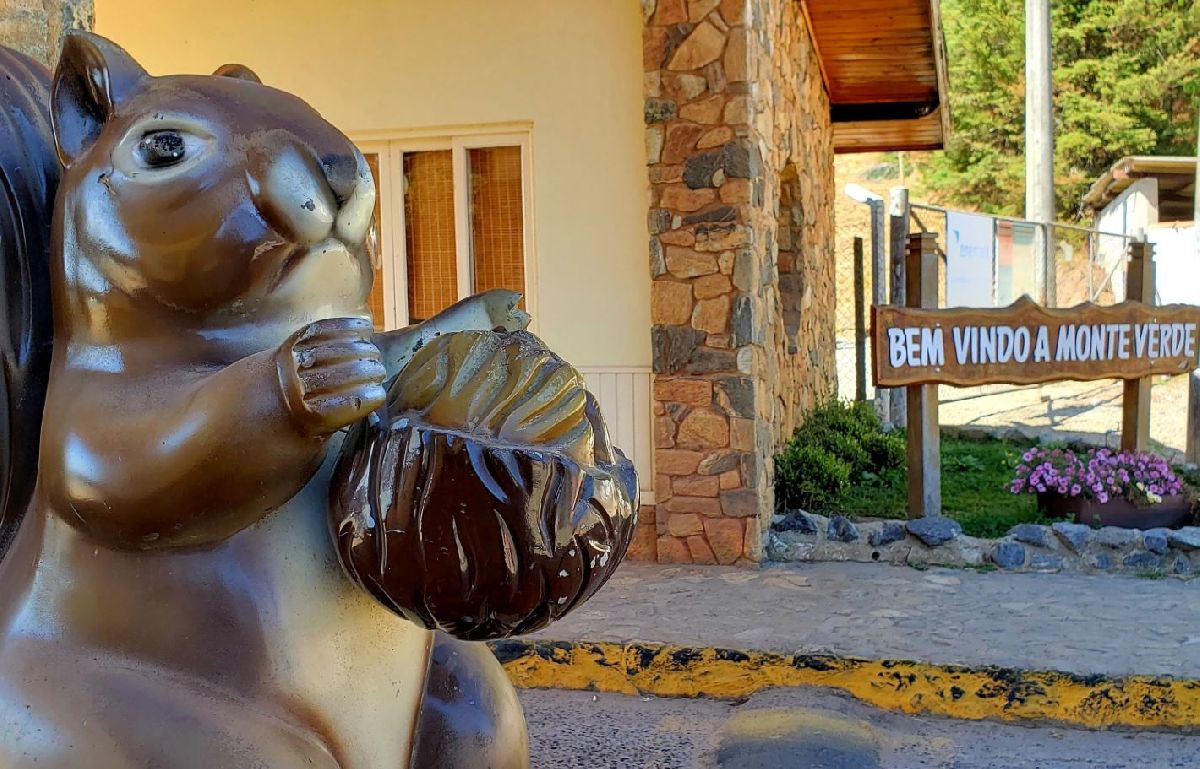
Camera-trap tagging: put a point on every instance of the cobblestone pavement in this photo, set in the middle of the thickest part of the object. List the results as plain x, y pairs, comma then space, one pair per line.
1102, 624
814, 729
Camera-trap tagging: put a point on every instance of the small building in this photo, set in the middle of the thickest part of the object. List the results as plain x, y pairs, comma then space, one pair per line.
656, 177
1154, 197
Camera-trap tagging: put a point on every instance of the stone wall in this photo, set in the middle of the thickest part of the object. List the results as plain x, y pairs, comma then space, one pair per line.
36, 27
798, 226
738, 141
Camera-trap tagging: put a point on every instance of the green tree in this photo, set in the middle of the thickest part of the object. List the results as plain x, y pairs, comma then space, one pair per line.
1126, 82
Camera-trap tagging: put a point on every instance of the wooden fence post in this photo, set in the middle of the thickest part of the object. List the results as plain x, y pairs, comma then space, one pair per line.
1193, 416
924, 433
1135, 416
860, 322
898, 238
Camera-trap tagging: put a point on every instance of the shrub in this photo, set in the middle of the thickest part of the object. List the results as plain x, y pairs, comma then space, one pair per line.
836, 444
809, 477
885, 450
855, 420
845, 447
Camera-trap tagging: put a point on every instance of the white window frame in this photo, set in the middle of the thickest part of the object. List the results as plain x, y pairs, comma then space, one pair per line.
393, 255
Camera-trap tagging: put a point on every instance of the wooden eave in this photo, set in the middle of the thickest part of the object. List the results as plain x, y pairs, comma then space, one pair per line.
884, 66
1176, 177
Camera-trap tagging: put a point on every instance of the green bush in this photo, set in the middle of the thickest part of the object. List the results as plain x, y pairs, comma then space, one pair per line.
809, 477
844, 447
855, 420
837, 443
886, 451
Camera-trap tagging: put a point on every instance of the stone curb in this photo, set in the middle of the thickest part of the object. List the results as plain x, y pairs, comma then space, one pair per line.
1027, 547
955, 691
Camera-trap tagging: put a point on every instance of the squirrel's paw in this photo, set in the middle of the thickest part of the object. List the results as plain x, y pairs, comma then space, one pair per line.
503, 312
492, 310
331, 374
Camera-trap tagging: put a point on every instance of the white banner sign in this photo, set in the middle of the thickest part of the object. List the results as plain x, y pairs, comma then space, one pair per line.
1176, 263
969, 260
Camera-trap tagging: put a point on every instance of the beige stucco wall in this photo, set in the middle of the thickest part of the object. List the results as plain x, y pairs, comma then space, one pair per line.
571, 67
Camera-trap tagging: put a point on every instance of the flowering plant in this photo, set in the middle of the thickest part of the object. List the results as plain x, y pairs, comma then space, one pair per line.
1099, 474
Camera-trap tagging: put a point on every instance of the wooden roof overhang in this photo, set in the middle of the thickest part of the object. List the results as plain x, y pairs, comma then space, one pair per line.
1176, 178
884, 66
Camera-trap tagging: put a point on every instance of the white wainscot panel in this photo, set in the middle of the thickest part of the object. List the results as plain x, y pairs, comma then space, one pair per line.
624, 396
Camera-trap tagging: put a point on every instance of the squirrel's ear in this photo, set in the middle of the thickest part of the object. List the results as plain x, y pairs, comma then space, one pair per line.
94, 75
238, 72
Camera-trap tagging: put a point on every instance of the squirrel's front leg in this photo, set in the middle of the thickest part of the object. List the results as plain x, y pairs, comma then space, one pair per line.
168, 463
331, 375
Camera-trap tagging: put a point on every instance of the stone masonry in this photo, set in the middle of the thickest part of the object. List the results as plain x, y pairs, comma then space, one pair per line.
36, 27
740, 164
1028, 547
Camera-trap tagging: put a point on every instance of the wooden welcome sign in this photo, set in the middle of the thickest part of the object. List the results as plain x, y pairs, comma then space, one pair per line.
1029, 344
920, 346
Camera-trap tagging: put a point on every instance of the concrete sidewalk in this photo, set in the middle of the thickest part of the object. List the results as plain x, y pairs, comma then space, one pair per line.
1082, 624
1086, 651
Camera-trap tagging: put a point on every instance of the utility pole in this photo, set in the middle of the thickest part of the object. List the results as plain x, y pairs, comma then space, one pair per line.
1039, 145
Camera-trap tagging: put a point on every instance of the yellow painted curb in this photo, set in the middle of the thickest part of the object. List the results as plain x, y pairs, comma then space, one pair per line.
907, 687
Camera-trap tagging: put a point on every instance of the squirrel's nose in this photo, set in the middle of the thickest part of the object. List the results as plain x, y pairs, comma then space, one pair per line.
354, 188
309, 197
294, 197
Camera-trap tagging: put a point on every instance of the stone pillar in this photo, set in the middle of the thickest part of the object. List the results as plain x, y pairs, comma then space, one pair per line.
723, 120
36, 27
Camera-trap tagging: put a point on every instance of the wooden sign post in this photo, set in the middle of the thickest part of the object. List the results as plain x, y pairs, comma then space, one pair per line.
918, 346
924, 432
1135, 405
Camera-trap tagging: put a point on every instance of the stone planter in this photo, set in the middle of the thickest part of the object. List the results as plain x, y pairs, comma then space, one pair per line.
1171, 513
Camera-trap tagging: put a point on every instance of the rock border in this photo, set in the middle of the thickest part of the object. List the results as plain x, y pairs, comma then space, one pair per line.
798, 536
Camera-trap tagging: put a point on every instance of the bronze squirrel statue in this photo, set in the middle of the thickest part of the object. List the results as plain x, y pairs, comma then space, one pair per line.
239, 485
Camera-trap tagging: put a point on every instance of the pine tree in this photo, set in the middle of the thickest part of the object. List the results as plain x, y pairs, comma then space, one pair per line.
1126, 82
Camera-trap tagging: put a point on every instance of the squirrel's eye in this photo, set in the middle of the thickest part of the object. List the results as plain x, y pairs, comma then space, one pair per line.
158, 149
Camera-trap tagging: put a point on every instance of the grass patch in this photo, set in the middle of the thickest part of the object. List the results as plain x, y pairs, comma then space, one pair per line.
841, 461
975, 478
1189, 475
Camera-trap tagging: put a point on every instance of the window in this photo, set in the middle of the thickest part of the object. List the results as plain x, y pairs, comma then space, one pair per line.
453, 221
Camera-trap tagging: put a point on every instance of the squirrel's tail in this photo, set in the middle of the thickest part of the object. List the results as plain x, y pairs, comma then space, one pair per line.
29, 175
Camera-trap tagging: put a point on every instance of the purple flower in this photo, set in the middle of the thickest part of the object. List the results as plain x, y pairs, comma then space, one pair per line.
1099, 474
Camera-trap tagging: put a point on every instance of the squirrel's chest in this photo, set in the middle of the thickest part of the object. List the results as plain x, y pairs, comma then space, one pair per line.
267, 618
329, 644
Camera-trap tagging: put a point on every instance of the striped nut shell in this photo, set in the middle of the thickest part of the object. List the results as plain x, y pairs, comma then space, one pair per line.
484, 499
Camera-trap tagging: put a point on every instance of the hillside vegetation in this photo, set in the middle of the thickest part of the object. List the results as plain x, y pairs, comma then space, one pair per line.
1126, 82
